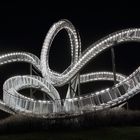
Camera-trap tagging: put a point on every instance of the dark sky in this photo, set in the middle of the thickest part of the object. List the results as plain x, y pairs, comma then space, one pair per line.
23, 27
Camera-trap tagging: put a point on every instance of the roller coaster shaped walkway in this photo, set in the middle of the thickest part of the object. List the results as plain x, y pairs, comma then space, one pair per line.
74, 104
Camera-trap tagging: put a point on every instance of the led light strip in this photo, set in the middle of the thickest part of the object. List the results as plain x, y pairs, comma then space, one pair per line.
20, 57
14, 102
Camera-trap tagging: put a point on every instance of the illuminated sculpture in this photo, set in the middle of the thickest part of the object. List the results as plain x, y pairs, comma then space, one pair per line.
14, 102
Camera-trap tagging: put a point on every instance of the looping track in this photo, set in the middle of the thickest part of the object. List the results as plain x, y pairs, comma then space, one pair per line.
13, 102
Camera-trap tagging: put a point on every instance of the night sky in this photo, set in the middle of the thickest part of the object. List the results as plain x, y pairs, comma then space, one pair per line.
23, 27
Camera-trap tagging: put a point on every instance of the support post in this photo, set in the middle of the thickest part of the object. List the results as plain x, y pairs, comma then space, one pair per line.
79, 91
127, 106
113, 64
31, 92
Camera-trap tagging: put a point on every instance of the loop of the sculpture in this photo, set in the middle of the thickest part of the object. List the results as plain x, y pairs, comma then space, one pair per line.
54, 77
98, 47
90, 53
19, 102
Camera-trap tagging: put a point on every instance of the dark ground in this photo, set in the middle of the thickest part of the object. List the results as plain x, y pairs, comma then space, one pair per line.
114, 124
106, 133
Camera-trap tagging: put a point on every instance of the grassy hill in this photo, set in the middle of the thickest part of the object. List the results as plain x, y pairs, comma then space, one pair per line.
114, 124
